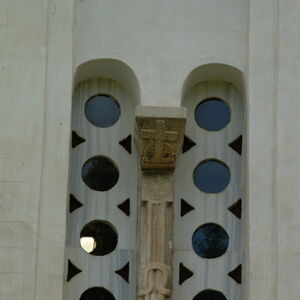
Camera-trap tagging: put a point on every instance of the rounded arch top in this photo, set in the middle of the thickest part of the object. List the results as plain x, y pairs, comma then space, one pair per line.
111, 69
214, 71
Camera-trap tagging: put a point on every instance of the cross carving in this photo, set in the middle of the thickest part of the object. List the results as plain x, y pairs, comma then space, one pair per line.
159, 140
159, 147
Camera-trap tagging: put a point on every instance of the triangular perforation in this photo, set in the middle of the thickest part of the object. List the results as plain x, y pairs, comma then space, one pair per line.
125, 207
72, 270
236, 274
76, 139
184, 274
237, 145
236, 209
124, 272
185, 208
126, 144
187, 144
74, 203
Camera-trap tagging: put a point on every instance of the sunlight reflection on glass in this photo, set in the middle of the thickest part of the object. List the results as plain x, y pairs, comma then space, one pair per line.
88, 244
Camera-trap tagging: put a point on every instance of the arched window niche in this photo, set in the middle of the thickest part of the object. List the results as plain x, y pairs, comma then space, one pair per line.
209, 211
100, 255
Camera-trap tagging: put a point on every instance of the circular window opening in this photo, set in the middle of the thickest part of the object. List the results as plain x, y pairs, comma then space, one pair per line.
211, 176
98, 238
212, 114
210, 295
102, 110
97, 293
210, 241
100, 173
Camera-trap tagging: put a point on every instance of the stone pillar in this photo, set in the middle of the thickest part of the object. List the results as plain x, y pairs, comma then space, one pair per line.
159, 138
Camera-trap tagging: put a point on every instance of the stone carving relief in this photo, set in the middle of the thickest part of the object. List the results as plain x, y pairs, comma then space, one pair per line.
159, 139
155, 236
156, 278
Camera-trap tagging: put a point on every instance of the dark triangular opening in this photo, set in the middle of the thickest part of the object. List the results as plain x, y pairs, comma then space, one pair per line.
76, 139
236, 208
187, 144
125, 207
184, 273
72, 271
236, 274
237, 145
74, 203
126, 144
124, 272
185, 208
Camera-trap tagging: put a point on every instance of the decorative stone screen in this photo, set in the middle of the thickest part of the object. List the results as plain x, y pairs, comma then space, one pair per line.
100, 258
208, 248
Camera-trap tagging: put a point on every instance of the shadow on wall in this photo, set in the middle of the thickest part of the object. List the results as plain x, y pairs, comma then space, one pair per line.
110, 69
214, 71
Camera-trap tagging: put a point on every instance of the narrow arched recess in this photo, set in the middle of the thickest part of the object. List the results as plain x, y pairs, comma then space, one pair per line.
101, 238
214, 97
111, 69
214, 72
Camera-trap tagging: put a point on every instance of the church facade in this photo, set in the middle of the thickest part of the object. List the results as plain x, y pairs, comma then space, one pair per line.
149, 149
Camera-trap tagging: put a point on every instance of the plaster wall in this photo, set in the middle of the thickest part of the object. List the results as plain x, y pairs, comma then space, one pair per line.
42, 45
162, 41
22, 90
287, 151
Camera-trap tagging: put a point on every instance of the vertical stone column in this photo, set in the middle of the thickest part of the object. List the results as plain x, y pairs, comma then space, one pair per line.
159, 138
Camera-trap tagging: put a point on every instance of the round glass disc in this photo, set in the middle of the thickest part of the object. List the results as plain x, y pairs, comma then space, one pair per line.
98, 238
100, 173
212, 114
102, 111
210, 295
211, 176
210, 240
97, 293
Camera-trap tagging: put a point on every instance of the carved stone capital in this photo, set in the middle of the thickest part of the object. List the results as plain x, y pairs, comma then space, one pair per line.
159, 135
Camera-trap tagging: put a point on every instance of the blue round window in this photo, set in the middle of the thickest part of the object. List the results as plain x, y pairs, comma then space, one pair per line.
212, 114
102, 110
211, 176
210, 240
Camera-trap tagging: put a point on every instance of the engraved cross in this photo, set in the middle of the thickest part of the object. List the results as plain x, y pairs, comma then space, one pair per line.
159, 135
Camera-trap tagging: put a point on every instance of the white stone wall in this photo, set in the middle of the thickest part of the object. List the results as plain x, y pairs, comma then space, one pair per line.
43, 43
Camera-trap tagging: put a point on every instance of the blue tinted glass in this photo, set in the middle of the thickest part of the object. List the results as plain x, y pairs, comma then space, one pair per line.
210, 241
100, 173
97, 293
210, 295
211, 176
212, 114
102, 111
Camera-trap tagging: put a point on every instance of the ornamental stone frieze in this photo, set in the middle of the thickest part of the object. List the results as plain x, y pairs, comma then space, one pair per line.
159, 137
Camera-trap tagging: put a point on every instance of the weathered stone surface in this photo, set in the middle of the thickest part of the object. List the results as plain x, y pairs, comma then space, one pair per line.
155, 236
159, 135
